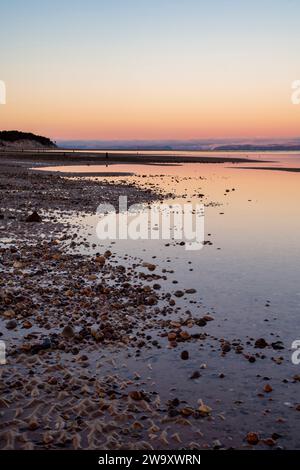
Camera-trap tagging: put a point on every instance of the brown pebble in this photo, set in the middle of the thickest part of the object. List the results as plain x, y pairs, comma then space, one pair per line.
68, 331
252, 438
185, 355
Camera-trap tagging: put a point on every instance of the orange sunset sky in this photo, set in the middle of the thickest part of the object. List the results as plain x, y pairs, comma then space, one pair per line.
129, 69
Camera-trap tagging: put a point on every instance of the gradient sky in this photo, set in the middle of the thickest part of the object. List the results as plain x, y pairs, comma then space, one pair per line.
141, 69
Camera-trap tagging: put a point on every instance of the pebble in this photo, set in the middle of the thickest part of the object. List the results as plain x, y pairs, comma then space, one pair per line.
34, 217
11, 324
261, 343
68, 332
190, 291
179, 293
185, 355
252, 438
195, 375
277, 345
226, 347
268, 388
149, 266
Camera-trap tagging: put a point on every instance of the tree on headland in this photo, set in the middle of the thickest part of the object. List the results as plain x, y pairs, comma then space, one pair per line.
15, 136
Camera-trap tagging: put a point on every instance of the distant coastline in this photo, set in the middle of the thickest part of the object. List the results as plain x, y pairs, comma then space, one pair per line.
184, 146
19, 141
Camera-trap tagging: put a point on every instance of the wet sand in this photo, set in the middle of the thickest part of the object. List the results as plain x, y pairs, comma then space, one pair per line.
272, 168
100, 158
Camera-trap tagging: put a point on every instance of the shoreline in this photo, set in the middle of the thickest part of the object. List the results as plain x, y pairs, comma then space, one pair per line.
271, 168
85, 158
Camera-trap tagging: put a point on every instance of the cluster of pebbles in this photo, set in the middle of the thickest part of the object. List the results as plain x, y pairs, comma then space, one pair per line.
22, 190
62, 314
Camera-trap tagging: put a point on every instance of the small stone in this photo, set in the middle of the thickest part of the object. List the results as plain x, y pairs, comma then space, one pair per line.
34, 217
52, 381
152, 300
187, 411
68, 331
204, 409
195, 375
278, 345
208, 318
136, 395
179, 293
269, 442
46, 344
18, 264
94, 330
217, 444
184, 355
175, 402
83, 358
33, 424
261, 343
190, 291
9, 314
136, 426
172, 336
268, 388
184, 335
226, 347
11, 324
252, 438
47, 438
149, 266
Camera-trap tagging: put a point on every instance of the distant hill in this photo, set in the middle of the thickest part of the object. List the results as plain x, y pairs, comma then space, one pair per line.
203, 145
258, 148
16, 140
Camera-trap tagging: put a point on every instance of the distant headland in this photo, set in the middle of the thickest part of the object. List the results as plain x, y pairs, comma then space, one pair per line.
16, 140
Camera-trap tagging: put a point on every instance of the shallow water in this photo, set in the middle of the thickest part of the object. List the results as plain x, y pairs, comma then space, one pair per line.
248, 279
254, 230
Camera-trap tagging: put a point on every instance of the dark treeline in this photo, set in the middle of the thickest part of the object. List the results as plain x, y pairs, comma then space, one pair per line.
15, 136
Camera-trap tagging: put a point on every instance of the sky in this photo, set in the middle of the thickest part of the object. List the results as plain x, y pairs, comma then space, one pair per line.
159, 69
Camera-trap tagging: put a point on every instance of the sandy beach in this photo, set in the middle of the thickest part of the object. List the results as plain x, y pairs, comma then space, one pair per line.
92, 328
